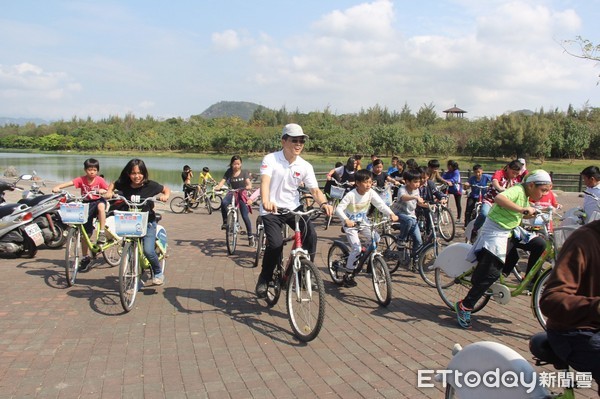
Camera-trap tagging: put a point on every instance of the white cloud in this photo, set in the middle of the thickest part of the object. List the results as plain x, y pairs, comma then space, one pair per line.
229, 40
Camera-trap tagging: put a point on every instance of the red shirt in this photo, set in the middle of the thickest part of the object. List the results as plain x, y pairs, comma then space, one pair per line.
96, 184
503, 181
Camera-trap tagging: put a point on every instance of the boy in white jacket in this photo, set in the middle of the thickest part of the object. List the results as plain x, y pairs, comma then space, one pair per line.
353, 208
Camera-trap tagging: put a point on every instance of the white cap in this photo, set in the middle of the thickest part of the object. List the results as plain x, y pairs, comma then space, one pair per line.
539, 176
293, 130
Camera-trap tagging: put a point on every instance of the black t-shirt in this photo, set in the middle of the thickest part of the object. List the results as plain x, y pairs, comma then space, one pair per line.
147, 190
238, 181
380, 179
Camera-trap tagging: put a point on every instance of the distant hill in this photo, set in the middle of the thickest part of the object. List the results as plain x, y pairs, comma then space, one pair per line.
242, 109
526, 112
22, 121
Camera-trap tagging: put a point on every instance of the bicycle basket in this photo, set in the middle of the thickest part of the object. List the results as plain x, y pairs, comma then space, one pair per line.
561, 234
337, 192
386, 196
74, 212
131, 224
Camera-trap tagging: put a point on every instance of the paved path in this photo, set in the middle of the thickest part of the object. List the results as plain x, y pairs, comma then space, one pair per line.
203, 334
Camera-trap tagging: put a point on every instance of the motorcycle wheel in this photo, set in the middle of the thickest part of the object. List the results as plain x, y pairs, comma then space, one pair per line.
29, 248
59, 239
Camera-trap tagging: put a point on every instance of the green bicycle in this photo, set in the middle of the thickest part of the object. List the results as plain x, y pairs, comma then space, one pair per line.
132, 225
75, 214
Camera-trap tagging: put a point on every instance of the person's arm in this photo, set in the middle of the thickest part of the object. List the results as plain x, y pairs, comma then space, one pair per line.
110, 191
504, 202
560, 301
265, 194
164, 194
340, 211
61, 186
330, 174
221, 183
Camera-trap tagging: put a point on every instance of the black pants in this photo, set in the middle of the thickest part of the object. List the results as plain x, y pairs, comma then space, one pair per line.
535, 247
580, 349
485, 274
470, 206
273, 225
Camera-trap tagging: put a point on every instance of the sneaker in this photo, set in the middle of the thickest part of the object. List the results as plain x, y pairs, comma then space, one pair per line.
349, 281
251, 241
224, 226
101, 237
463, 315
84, 265
261, 288
159, 279
189, 211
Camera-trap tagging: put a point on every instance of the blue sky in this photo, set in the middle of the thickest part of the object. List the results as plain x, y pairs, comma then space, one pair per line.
64, 59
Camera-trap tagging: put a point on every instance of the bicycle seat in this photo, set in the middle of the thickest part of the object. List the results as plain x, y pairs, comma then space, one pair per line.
396, 226
37, 200
8, 209
540, 348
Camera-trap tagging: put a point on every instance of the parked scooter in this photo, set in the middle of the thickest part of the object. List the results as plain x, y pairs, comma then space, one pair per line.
19, 236
44, 208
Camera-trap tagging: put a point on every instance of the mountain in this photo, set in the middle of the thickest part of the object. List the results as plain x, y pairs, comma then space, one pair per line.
22, 121
242, 109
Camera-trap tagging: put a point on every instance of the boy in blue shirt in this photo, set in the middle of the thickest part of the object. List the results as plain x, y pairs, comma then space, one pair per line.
477, 179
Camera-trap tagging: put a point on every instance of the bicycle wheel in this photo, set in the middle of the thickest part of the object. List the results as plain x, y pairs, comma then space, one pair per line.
194, 201
260, 241
112, 254
215, 201
207, 205
538, 290
382, 281
231, 233
427, 258
452, 290
72, 255
395, 253
336, 261
306, 301
129, 275
177, 204
446, 224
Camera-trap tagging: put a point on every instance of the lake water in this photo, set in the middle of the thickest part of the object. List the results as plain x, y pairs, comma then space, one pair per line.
164, 169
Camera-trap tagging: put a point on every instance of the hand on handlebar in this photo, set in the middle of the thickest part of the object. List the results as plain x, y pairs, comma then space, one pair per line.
327, 208
529, 212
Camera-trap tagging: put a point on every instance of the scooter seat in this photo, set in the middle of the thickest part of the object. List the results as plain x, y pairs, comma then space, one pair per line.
8, 209
36, 200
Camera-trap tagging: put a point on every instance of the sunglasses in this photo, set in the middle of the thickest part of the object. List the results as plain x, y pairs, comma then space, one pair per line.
298, 141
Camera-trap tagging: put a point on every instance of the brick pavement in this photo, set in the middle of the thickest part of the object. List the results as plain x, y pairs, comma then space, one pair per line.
204, 335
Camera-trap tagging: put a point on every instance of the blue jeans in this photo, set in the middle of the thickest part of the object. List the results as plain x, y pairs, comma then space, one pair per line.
579, 348
149, 243
485, 209
410, 228
243, 211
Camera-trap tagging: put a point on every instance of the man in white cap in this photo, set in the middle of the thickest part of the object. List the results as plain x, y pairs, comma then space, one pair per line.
492, 242
282, 172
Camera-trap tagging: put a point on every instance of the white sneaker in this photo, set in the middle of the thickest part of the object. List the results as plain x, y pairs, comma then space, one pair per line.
158, 279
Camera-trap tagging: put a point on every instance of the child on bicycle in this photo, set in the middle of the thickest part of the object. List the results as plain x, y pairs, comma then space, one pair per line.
353, 208
205, 177
237, 178
493, 242
430, 194
188, 189
134, 181
477, 179
452, 179
405, 206
92, 187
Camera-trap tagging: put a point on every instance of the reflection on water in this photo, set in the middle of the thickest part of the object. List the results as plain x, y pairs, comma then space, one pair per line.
163, 169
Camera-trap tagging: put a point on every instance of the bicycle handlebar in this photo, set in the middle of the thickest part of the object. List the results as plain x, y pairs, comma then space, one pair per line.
285, 211
135, 202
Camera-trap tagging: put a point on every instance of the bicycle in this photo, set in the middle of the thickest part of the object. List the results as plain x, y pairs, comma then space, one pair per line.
399, 250
215, 198
75, 214
132, 225
337, 258
486, 357
305, 289
386, 195
453, 274
470, 219
336, 193
232, 223
181, 204
444, 221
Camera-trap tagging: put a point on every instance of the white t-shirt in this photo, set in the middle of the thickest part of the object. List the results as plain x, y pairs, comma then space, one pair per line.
355, 206
589, 204
286, 178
